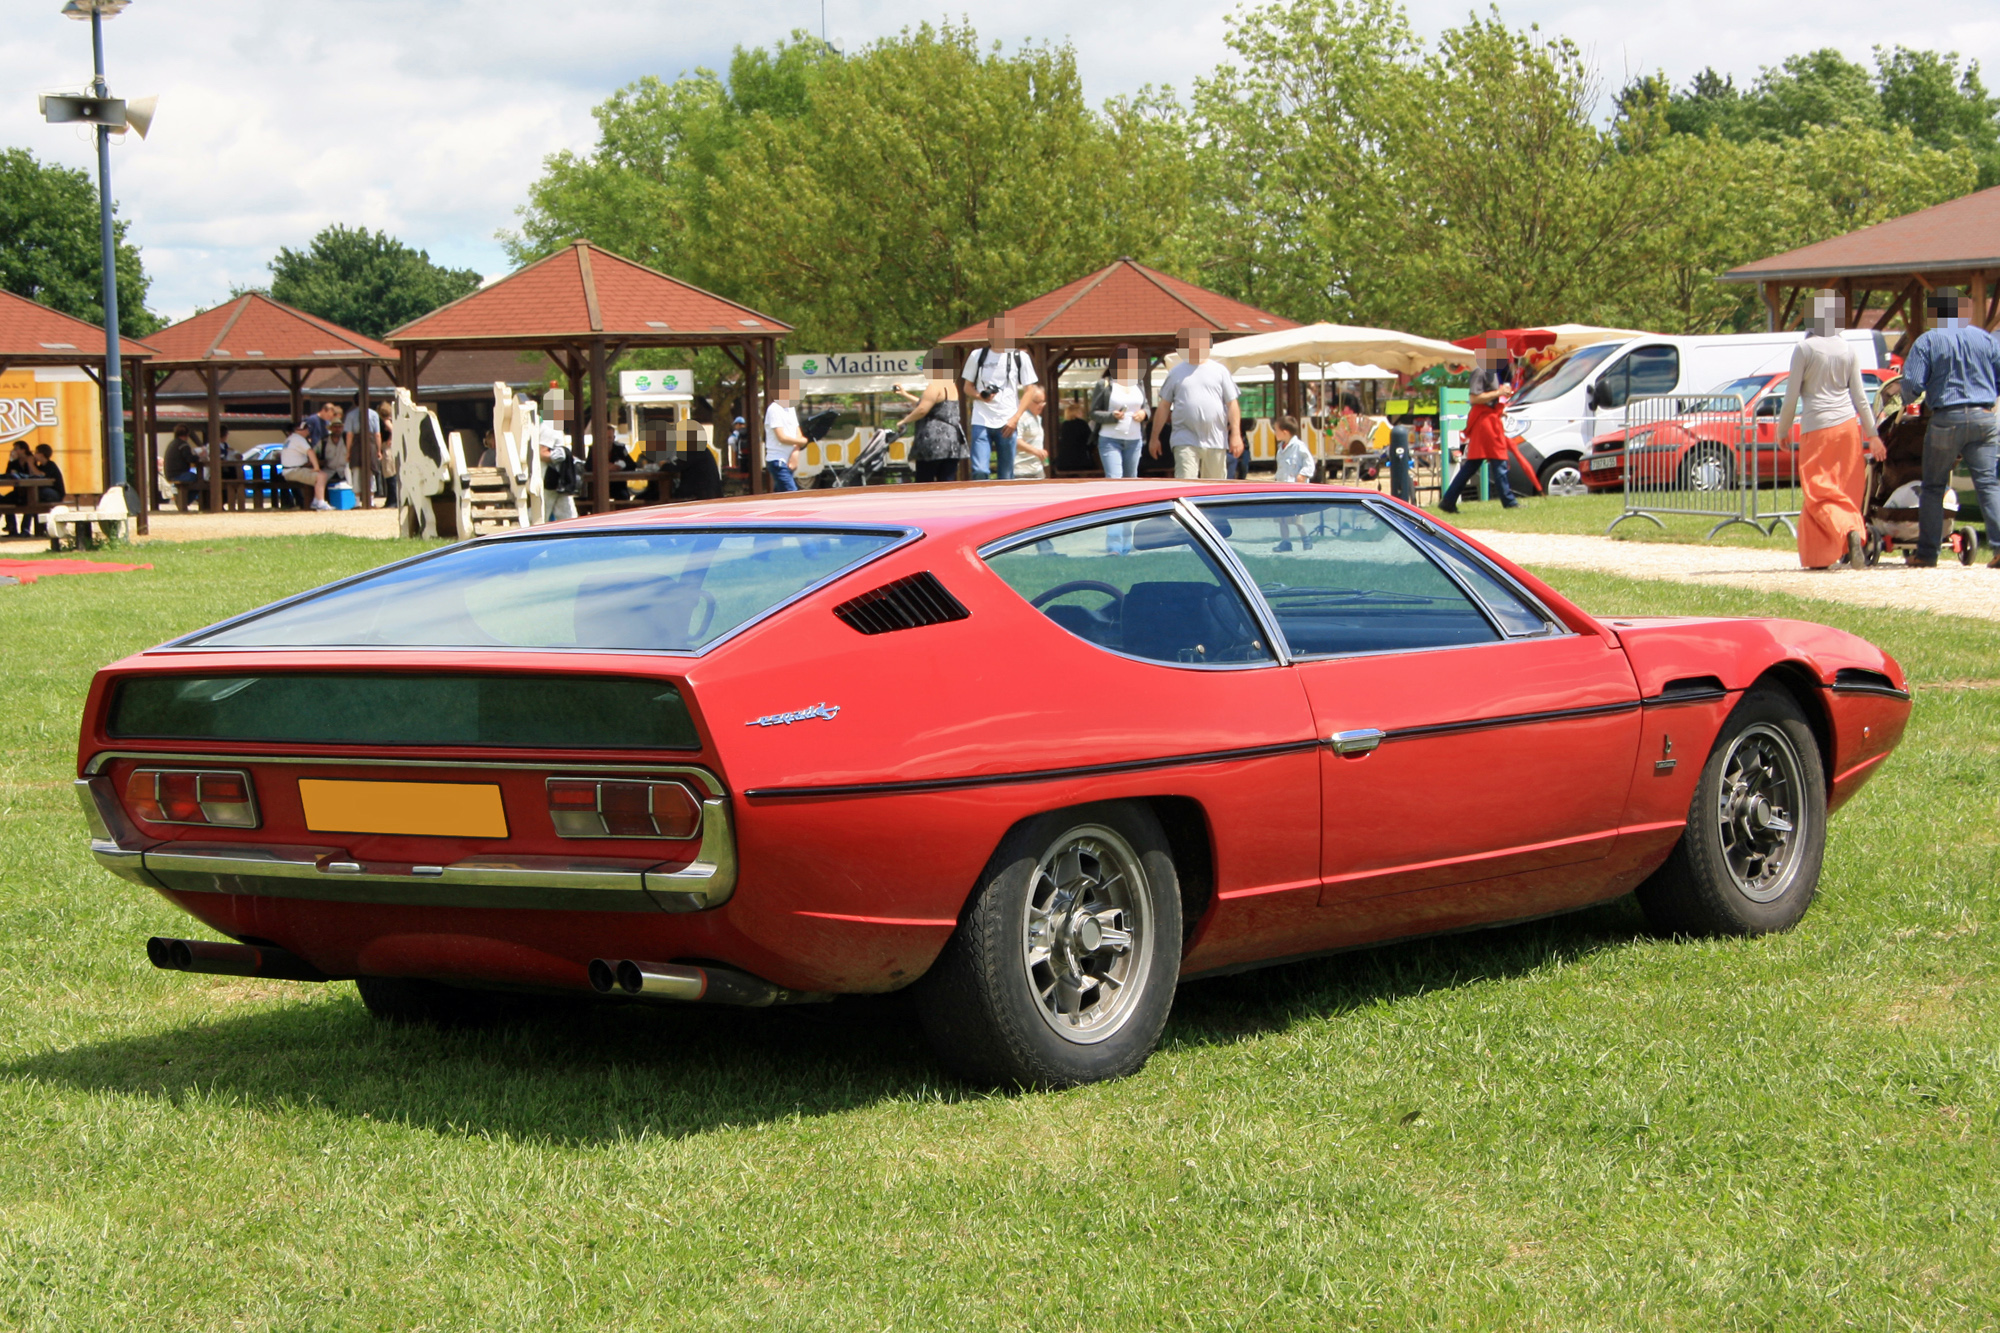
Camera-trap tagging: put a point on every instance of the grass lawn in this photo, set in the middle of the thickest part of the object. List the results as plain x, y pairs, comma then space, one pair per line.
1566, 1125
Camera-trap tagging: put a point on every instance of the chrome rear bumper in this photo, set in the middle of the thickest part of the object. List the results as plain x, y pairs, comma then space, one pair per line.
330, 874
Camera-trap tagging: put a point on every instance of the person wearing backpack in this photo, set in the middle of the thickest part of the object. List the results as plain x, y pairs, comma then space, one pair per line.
994, 377
561, 476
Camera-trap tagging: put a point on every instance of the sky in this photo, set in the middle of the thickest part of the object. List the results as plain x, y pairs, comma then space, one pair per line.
430, 119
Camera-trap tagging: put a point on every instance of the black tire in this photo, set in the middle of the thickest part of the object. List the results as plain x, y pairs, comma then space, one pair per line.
1563, 476
1708, 467
414, 1002
1715, 883
985, 1005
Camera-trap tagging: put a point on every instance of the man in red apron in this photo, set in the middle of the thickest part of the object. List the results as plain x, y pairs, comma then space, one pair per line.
1485, 437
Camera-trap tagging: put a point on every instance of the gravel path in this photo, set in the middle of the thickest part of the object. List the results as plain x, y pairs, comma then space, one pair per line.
1951, 588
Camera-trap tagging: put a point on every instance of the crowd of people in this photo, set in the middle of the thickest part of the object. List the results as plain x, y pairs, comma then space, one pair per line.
316, 453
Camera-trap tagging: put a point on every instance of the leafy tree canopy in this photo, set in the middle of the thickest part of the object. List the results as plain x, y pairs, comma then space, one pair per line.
49, 247
366, 281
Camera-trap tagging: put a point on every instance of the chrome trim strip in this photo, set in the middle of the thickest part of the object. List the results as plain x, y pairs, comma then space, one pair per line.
1237, 573
713, 785
1037, 775
91, 793
1509, 720
904, 537
1665, 700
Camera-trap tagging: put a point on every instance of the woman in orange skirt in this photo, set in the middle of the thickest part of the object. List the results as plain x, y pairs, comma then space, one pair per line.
1825, 379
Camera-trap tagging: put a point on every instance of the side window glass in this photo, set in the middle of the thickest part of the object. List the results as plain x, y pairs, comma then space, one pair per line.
1652, 370
1515, 613
1341, 579
1143, 587
1772, 404
1610, 390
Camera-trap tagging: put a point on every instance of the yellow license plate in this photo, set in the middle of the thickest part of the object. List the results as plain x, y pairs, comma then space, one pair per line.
426, 809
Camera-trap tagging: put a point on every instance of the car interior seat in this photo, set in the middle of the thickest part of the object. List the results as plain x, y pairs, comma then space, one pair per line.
1185, 622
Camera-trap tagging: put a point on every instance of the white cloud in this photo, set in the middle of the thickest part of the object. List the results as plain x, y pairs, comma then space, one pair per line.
430, 120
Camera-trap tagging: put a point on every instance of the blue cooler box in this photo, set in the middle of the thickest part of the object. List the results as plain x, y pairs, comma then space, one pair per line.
340, 495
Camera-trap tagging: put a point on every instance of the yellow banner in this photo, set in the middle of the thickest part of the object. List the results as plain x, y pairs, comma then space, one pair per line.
58, 408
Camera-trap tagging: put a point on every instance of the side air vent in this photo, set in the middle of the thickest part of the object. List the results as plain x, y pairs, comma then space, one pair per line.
908, 603
1690, 690
1859, 680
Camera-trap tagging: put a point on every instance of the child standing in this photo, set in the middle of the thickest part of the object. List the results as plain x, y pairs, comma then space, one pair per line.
1295, 464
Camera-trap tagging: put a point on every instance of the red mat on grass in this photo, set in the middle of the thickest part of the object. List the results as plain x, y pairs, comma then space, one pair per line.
27, 571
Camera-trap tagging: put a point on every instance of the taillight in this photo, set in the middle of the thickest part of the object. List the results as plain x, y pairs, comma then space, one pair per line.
192, 796
594, 808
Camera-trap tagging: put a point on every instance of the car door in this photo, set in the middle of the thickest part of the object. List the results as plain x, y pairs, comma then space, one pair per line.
1467, 734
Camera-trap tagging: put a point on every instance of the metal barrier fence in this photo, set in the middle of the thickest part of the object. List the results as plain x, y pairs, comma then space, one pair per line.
1704, 456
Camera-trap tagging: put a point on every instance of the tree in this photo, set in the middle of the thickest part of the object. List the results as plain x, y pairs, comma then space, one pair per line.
1943, 109
1292, 147
49, 244
366, 281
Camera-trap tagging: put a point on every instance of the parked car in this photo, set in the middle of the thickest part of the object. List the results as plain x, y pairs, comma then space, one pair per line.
1702, 449
1038, 752
1553, 421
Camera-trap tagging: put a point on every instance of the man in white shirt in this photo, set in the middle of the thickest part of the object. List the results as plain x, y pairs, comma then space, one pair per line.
784, 442
560, 478
994, 378
1199, 396
300, 465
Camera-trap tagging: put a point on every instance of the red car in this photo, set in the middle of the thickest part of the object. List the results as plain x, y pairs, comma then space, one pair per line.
1700, 451
1038, 750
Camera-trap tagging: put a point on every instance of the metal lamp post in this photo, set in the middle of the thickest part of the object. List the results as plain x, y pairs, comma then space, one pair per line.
105, 112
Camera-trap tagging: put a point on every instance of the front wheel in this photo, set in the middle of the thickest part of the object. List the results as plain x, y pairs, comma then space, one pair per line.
1563, 476
1063, 967
1748, 862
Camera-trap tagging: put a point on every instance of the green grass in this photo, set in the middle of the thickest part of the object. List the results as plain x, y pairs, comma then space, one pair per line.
1565, 1125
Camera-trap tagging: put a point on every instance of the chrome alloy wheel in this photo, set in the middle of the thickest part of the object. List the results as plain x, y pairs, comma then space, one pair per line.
1762, 815
1566, 480
1085, 941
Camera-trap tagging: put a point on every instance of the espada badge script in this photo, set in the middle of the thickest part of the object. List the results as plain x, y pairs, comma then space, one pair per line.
824, 710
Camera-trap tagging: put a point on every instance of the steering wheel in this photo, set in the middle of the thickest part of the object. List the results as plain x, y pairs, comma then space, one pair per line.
706, 600
1081, 585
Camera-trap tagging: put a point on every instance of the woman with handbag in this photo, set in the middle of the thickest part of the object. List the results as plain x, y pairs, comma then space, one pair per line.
937, 442
1118, 415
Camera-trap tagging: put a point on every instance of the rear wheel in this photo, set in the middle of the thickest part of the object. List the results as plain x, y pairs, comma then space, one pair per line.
1063, 968
1748, 862
414, 1002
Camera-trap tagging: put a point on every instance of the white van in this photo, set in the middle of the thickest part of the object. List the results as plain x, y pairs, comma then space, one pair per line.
1551, 422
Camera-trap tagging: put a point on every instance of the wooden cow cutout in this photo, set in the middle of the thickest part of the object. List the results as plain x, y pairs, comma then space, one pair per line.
437, 501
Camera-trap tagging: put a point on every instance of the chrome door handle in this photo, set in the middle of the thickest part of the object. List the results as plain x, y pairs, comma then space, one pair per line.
1355, 742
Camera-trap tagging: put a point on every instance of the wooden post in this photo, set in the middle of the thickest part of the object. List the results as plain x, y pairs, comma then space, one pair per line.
753, 415
296, 382
600, 433
1978, 291
573, 388
214, 439
360, 442
1771, 322
142, 474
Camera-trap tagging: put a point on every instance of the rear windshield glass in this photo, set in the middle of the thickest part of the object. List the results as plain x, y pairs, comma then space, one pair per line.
668, 592
1565, 375
337, 708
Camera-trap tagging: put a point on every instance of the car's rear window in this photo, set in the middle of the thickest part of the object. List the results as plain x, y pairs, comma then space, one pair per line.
399, 709
671, 592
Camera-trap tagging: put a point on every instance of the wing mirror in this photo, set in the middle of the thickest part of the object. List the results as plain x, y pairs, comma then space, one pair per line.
1600, 395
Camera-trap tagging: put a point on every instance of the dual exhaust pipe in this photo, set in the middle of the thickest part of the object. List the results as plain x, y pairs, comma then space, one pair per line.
230, 960
688, 984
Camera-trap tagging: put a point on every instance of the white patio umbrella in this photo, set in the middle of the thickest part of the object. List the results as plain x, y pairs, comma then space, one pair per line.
1569, 337
1324, 344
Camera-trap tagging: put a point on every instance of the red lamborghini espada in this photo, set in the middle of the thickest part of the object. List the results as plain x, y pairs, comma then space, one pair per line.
1038, 750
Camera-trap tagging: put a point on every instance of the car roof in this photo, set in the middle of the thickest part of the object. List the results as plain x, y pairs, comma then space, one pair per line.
971, 511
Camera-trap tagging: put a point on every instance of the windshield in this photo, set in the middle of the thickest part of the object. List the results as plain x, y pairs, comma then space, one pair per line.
1746, 388
672, 592
1566, 374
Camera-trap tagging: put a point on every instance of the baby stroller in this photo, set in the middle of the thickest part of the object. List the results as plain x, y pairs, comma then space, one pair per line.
870, 465
1894, 485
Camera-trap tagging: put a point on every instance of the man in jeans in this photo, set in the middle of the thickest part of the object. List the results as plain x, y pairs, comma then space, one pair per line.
994, 378
784, 442
1957, 365
1200, 398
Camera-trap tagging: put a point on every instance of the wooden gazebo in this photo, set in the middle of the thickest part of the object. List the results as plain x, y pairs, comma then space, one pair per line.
584, 307
1954, 244
256, 335
32, 335
1123, 303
